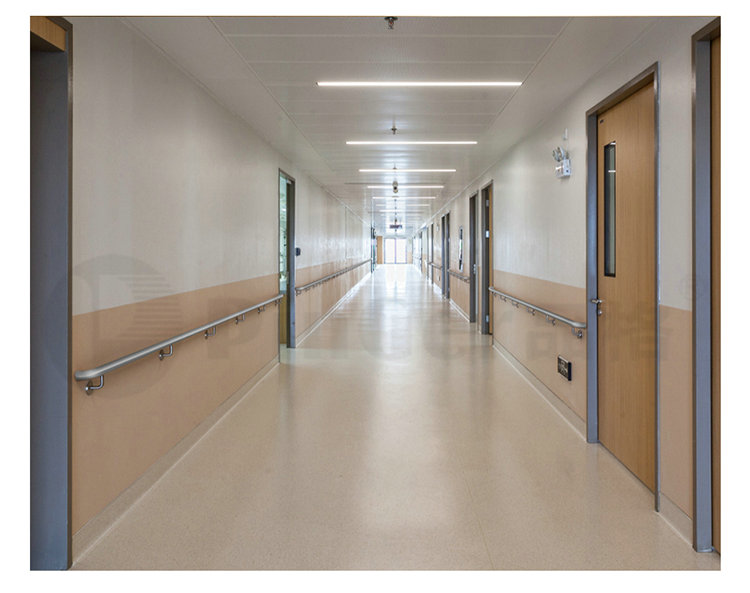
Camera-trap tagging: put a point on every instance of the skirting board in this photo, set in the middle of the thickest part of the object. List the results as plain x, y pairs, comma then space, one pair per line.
568, 415
99, 525
676, 518
330, 311
460, 311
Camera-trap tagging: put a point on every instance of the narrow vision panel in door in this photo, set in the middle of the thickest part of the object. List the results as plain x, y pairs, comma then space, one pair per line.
627, 283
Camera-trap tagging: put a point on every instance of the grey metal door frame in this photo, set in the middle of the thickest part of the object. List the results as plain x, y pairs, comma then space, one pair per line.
702, 274
50, 305
472, 259
291, 254
486, 275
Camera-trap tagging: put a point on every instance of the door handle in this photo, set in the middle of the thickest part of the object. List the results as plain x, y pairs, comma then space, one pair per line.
598, 303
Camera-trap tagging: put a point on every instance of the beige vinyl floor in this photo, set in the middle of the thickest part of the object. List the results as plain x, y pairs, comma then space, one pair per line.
394, 437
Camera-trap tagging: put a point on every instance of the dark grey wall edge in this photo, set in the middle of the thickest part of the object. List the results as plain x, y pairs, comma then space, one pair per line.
50, 290
702, 502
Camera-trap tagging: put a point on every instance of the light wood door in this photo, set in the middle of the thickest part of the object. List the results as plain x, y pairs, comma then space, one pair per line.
627, 283
716, 290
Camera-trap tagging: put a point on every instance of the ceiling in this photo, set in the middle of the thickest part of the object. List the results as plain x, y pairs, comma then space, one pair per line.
265, 69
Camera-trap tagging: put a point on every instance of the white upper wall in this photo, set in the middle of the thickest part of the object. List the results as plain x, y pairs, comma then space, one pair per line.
539, 221
172, 192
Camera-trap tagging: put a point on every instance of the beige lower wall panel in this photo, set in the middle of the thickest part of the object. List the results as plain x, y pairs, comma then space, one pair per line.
563, 299
460, 294
312, 304
676, 398
536, 343
146, 408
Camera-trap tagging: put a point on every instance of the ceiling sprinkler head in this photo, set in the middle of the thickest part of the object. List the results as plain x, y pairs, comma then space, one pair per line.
395, 187
394, 129
391, 20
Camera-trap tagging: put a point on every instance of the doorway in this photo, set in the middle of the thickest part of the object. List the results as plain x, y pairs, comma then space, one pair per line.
707, 288
395, 250
626, 277
486, 267
446, 251
716, 291
432, 252
287, 254
472, 259
50, 373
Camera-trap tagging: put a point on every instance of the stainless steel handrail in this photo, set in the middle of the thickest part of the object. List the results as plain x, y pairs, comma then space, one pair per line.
309, 285
459, 276
159, 347
438, 266
576, 327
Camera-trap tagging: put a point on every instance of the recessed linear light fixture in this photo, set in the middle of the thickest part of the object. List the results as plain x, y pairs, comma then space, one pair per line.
407, 186
409, 142
394, 170
415, 83
403, 197
392, 210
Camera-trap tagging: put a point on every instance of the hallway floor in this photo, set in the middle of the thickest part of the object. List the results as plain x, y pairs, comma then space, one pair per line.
394, 437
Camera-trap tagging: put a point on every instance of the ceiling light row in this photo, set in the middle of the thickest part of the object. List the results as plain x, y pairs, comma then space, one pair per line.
394, 170
406, 185
412, 142
414, 83
407, 142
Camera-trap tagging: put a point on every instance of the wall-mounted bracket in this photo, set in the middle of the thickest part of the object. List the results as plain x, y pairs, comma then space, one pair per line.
91, 387
163, 355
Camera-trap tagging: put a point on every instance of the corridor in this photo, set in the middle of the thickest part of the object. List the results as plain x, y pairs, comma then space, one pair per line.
394, 437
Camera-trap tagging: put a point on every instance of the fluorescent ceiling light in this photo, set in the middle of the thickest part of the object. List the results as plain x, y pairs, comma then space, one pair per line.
410, 142
397, 197
405, 186
402, 211
393, 83
407, 170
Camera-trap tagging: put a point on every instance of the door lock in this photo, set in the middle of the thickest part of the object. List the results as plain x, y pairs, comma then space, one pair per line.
598, 303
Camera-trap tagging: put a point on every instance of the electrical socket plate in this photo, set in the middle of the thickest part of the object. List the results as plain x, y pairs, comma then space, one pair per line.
565, 368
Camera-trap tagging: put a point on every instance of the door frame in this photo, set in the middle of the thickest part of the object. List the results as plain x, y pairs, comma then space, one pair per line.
447, 255
702, 243
432, 251
649, 76
291, 243
486, 257
473, 258
50, 224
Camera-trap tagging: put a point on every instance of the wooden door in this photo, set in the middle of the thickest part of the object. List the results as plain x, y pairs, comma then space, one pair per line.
716, 291
627, 283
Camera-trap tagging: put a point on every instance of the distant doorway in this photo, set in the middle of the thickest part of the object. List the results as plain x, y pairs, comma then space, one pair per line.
473, 258
286, 260
395, 250
486, 267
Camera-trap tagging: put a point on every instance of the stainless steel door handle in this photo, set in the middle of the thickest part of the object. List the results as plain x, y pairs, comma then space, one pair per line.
598, 303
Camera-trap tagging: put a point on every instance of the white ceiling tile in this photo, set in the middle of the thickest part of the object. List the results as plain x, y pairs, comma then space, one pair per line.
257, 49
308, 73
265, 69
405, 26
